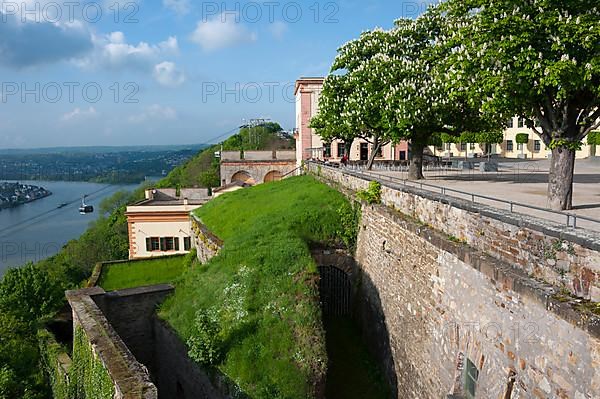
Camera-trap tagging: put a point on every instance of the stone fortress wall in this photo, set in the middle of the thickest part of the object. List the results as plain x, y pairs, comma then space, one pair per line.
471, 299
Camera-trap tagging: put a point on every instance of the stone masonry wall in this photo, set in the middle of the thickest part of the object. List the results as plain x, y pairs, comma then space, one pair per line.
459, 283
544, 250
131, 313
130, 378
443, 302
207, 244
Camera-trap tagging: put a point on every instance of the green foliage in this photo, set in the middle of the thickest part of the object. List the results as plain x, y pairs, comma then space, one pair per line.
522, 138
28, 293
565, 143
18, 353
372, 195
468, 137
389, 86
435, 140
51, 351
205, 344
261, 288
203, 169
31, 294
138, 273
537, 60
593, 138
448, 138
349, 215
89, 378
490, 137
114, 202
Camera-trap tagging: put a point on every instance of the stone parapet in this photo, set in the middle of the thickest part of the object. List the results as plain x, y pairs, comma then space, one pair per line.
130, 378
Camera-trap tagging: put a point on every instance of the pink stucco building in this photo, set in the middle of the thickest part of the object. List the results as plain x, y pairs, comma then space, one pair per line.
310, 146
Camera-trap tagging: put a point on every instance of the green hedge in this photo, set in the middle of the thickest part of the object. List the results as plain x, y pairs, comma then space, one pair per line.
56, 363
522, 138
89, 377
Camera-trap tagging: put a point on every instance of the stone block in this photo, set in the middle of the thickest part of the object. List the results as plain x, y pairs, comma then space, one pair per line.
488, 167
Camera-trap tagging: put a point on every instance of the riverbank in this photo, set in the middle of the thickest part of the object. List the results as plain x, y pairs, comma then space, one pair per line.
13, 194
37, 230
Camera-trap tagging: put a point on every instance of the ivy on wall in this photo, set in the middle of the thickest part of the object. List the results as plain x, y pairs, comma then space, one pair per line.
89, 377
56, 368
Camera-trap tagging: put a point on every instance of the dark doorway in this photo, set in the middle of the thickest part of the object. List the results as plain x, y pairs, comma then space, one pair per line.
352, 371
335, 290
364, 151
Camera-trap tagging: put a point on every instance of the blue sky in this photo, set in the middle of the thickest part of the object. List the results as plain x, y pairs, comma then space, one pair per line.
169, 71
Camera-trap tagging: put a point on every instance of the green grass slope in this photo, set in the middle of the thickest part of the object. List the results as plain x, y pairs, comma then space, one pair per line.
139, 273
253, 310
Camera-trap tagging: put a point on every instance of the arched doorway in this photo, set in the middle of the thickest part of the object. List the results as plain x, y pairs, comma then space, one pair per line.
273, 175
335, 290
243, 177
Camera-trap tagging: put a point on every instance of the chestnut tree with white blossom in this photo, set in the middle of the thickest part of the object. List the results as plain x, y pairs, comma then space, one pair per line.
539, 59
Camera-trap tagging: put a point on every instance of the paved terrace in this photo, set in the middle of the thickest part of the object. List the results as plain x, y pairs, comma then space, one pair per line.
518, 181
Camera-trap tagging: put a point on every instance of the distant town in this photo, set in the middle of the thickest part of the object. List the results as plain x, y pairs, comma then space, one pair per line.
95, 165
15, 194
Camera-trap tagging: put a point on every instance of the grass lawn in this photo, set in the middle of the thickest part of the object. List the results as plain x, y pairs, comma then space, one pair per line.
258, 299
142, 272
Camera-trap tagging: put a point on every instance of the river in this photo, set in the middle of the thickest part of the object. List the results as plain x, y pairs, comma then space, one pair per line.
38, 230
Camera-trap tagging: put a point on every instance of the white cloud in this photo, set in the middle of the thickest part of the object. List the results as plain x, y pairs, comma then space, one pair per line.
79, 114
152, 113
221, 32
113, 51
167, 74
179, 7
278, 29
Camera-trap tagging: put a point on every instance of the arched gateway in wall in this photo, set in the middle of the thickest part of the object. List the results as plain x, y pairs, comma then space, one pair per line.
273, 175
243, 177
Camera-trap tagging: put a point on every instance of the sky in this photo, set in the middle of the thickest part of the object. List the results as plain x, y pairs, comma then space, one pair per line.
155, 72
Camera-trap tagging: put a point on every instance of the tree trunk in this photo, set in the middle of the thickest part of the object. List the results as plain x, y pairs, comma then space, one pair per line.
560, 179
415, 170
374, 150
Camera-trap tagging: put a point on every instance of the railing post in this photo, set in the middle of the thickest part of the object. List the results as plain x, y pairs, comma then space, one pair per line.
574, 221
511, 207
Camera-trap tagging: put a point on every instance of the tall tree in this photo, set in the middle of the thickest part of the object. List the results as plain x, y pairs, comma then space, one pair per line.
329, 123
537, 59
418, 101
352, 106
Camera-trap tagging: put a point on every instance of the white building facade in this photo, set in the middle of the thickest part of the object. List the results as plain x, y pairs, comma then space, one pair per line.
160, 224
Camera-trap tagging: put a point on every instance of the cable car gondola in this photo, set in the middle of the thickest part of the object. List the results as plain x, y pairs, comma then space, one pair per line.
84, 208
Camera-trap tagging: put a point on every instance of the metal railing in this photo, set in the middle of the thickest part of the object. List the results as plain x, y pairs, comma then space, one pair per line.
570, 218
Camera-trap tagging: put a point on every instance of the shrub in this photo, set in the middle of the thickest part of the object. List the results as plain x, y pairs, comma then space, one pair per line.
522, 138
205, 344
349, 222
593, 138
372, 195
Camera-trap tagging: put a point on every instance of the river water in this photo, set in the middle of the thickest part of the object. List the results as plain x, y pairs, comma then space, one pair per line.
38, 230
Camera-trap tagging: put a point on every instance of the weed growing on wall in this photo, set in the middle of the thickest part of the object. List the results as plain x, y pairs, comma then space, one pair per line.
349, 215
371, 195
89, 377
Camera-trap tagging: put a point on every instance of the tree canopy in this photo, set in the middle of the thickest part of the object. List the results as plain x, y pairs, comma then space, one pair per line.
388, 86
537, 59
